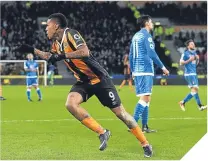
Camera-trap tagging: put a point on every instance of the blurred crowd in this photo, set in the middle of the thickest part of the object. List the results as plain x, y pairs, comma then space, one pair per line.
177, 12
106, 32
106, 27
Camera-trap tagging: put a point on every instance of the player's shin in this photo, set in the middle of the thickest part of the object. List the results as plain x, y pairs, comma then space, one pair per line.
39, 93
139, 110
131, 124
28, 93
145, 116
82, 115
198, 101
188, 97
92, 124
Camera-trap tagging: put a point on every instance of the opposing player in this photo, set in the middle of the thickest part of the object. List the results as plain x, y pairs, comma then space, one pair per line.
142, 55
92, 79
1, 97
32, 73
190, 60
127, 73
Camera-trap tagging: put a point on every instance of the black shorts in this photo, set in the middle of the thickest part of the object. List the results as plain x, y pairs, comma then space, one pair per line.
105, 91
127, 76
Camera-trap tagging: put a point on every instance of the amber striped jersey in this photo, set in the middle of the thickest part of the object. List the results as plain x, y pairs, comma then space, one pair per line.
85, 69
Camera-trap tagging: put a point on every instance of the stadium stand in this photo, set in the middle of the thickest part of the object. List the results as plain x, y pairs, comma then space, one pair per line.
106, 27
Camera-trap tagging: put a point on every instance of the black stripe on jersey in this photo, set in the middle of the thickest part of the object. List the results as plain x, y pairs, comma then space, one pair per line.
82, 76
96, 68
70, 43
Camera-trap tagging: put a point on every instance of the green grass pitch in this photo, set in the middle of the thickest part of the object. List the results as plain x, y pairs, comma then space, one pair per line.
46, 130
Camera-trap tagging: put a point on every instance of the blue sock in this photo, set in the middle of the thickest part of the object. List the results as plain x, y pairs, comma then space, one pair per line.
145, 116
139, 110
198, 101
39, 93
188, 97
28, 93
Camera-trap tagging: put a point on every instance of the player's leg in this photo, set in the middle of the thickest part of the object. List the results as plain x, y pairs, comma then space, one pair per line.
1, 97
145, 115
29, 87
52, 78
188, 96
108, 96
78, 94
143, 86
130, 83
38, 91
194, 91
122, 84
124, 116
144, 94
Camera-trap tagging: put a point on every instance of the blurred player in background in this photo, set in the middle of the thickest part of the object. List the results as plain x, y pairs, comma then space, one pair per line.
142, 55
1, 97
92, 79
190, 60
127, 73
51, 69
32, 73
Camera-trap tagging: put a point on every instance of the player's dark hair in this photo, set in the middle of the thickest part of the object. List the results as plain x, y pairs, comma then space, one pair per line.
188, 41
142, 20
60, 19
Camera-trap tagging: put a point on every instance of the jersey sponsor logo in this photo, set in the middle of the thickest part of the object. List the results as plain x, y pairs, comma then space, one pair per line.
76, 36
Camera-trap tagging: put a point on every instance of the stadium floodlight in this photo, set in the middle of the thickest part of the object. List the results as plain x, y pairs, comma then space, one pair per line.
43, 23
21, 66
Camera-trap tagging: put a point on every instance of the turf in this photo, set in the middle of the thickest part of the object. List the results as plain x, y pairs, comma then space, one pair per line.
46, 131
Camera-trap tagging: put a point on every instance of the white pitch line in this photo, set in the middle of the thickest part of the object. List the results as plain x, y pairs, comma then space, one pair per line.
57, 120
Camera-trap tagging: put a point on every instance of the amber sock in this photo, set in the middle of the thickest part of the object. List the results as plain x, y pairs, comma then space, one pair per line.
93, 125
136, 131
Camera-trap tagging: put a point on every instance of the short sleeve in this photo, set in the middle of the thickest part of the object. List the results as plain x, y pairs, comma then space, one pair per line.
75, 38
25, 65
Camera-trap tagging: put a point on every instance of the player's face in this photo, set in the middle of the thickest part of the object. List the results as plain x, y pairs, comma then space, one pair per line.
191, 46
30, 56
51, 29
151, 26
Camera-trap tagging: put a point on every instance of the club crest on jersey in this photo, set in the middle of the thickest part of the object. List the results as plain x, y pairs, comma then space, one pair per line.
150, 39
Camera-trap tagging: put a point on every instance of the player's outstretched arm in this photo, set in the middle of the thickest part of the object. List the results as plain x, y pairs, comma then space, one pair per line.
25, 48
42, 54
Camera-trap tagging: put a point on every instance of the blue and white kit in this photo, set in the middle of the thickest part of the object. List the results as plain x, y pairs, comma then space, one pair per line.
31, 76
141, 57
190, 69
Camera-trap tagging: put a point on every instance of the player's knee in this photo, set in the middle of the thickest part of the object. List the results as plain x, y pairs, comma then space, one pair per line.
71, 102
119, 111
145, 98
71, 105
194, 89
29, 88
